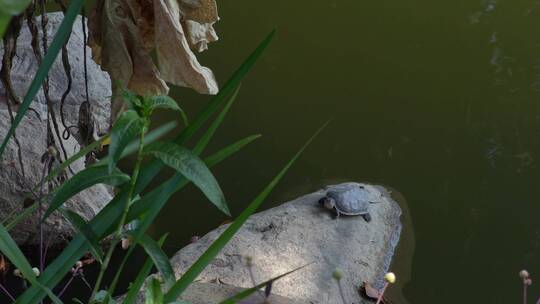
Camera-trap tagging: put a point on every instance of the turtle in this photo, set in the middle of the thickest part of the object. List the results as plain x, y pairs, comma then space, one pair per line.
348, 200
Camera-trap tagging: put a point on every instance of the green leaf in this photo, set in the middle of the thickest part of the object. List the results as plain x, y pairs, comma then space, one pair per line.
152, 136
153, 292
133, 100
126, 128
164, 102
103, 297
149, 138
160, 259
91, 147
4, 22
22, 216
141, 277
82, 180
246, 293
11, 251
205, 139
104, 222
191, 167
227, 89
191, 274
86, 230
152, 202
59, 39
13, 7
9, 8
229, 150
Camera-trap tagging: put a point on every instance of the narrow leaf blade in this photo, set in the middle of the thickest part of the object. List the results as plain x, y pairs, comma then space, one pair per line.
246, 293
153, 292
165, 102
160, 259
136, 285
82, 180
125, 129
86, 230
192, 167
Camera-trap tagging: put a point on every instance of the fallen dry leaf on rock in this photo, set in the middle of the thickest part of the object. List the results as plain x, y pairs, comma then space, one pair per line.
371, 292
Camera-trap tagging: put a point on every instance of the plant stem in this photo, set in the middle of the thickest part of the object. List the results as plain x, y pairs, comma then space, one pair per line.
121, 268
341, 293
118, 233
524, 293
381, 295
7, 292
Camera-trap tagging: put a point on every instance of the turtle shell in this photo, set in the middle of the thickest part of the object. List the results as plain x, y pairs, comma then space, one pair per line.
352, 200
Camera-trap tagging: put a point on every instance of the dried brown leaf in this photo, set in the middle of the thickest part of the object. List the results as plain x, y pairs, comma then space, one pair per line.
123, 33
201, 11
119, 46
177, 63
372, 292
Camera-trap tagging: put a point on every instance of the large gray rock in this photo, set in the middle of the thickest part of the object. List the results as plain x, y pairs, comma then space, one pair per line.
25, 66
301, 232
32, 134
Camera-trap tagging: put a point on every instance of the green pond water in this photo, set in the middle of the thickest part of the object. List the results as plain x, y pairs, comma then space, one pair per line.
437, 99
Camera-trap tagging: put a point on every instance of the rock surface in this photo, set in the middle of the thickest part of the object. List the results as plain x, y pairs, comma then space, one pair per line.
301, 232
32, 133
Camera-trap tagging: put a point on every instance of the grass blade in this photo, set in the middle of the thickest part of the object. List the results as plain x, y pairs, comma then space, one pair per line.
136, 285
229, 150
86, 230
154, 295
10, 249
91, 147
22, 216
82, 180
246, 293
160, 259
205, 139
207, 257
59, 39
151, 203
9, 8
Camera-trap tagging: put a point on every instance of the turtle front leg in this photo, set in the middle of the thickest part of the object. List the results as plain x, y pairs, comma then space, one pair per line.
367, 217
337, 213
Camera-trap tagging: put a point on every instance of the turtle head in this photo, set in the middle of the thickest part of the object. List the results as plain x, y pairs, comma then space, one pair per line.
327, 202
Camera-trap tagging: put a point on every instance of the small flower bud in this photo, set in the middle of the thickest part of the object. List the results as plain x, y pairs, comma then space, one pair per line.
337, 274
390, 277
524, 274
527, 282
52, 151
126, 242
36, 271
79, 264
17, 273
